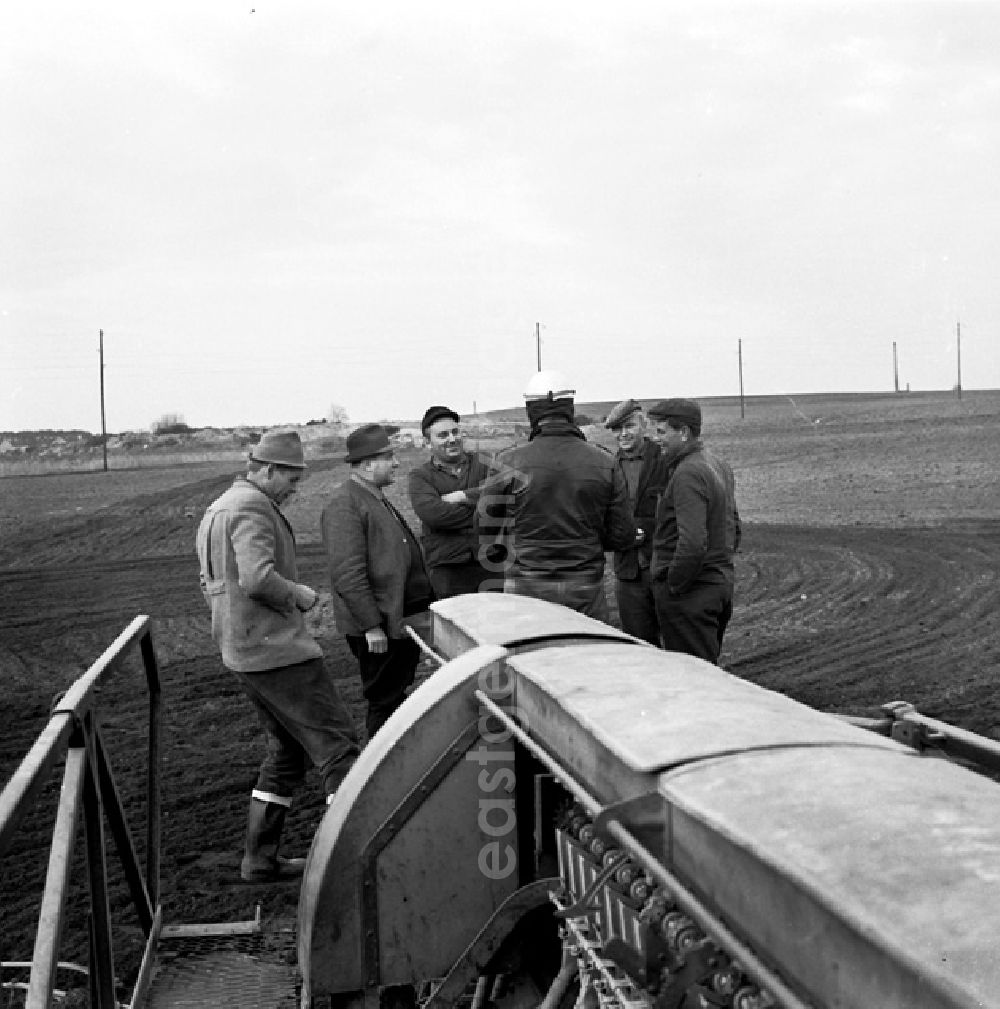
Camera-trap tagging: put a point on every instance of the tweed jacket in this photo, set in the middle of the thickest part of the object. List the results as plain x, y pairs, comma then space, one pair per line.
652, 480
246, 553
450, 533
377, 572
697, 522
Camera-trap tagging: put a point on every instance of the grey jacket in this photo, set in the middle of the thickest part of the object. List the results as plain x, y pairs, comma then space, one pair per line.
246, 551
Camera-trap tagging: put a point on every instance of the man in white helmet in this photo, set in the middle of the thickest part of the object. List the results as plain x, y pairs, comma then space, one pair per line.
565, 504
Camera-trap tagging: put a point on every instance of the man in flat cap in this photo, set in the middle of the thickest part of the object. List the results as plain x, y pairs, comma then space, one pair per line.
444, 492
246, 553
377, 573
697, 532
645, 476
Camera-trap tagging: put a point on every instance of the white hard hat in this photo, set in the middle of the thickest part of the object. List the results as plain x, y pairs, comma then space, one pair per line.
547, 385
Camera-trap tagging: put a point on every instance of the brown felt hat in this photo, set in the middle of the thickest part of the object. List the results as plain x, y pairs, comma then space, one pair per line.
621, 413
283, 448
366, 441
687, 411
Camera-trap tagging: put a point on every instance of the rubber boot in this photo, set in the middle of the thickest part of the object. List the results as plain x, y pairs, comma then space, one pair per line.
261, 861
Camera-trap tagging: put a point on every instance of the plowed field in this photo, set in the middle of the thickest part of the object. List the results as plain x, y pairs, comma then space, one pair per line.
868, 573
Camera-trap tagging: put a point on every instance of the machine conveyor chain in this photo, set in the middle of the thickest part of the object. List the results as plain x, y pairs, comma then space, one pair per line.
633, 946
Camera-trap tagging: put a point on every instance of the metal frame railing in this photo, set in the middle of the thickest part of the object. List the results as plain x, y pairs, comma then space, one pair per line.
89, 790
902, 722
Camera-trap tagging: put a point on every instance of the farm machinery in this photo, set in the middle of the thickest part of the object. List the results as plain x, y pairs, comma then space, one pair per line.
561, 816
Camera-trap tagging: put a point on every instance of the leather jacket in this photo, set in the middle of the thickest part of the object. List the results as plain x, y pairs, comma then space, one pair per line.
565, 503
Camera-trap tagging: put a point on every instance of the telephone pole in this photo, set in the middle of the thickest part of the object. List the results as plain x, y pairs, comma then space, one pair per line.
538, 346
895, 368
104, 430
958, 387
739, 351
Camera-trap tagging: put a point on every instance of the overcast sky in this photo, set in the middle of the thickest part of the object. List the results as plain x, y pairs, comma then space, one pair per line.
270, 208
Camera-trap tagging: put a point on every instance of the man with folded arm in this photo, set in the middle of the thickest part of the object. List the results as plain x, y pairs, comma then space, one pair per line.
444, 493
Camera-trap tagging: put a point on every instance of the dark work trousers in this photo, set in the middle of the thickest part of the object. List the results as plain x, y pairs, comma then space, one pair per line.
585, 595
385, 677
303, 718
694, 621
637, 607
458, 579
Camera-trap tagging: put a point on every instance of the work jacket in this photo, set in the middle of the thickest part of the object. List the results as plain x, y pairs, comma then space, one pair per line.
697, 522
565, 503
246, 552
450, 532
377, 572
652, 480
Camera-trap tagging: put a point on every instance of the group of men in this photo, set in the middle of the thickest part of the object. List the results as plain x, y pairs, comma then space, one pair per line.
663, 505
538, 520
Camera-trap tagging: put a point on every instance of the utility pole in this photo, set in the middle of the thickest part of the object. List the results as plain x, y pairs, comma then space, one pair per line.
895, 368
739, 350
104, 430
959, 348
538, 345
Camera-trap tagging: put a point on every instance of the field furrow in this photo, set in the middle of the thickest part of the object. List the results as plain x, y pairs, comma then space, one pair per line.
867, 575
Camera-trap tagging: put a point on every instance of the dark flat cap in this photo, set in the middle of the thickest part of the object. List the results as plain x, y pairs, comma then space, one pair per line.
433, 413
686, 411
620, 413
366, 441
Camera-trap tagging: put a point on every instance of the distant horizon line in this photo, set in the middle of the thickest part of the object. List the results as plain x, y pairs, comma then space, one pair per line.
582, 407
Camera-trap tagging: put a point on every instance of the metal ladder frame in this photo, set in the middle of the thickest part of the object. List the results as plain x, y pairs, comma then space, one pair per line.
89, 792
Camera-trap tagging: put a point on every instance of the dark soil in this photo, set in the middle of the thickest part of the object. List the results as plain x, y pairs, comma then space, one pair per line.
842, 617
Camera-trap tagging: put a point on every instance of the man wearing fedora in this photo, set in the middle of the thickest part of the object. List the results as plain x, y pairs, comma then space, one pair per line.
377, 573
444, 492
645, 476
246, 553
697, 533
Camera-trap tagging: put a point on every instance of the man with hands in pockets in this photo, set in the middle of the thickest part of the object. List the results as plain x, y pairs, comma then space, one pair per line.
377, 574
246, 553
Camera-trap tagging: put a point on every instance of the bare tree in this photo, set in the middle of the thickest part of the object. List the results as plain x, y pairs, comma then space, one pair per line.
337, 415
170, 423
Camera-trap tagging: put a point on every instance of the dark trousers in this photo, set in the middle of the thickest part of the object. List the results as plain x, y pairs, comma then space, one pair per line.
385, 676
695, 621
459, 579
304, 719
581, 594
637, 607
